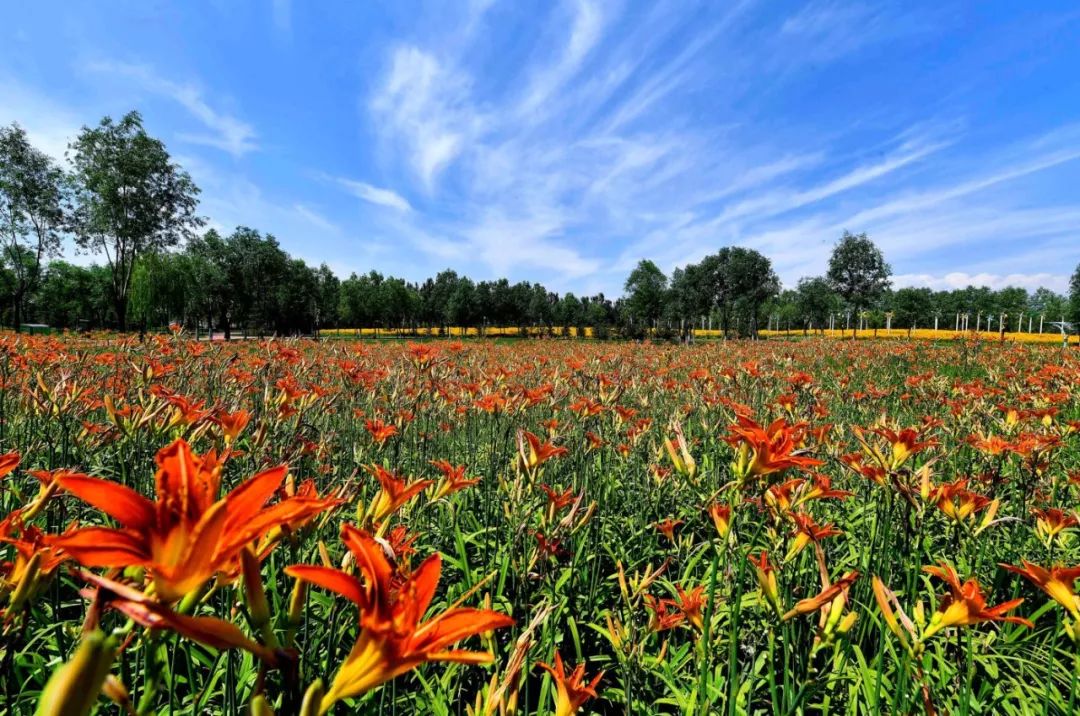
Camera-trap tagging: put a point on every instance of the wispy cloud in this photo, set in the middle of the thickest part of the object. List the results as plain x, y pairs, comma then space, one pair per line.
376, 195
226, 132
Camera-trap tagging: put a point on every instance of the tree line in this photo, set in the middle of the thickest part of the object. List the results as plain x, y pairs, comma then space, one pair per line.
123, 199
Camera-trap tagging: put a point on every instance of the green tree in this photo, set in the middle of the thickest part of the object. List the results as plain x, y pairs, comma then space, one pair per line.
326, 313
31, 213
858, 272
1074, 297
751, 282
646, 289
815, 301
912, 305
130, 199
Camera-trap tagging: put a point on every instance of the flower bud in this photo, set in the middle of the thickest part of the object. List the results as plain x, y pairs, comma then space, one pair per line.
74, 686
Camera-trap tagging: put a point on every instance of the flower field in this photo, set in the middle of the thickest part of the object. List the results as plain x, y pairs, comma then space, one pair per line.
539, 527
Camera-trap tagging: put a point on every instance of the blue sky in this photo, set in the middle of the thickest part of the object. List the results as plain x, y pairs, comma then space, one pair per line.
563, 140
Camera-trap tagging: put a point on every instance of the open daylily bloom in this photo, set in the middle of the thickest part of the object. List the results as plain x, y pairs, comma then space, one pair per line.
1050, 522
8, 462
902, 445
380, 431
392, 638
721, 517
188, 534
965, 604
453, 479
807, 531
34, 561
232, 424
1057, 582
394, 494
765, 451
667, 528
571, 691
959, 503
532, 453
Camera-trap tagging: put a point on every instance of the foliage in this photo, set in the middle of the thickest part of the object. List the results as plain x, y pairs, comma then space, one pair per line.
779, 526
857, 271
130, 199
31, 213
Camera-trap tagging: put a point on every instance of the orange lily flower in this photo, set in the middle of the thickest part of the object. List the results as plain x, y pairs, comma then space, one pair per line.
721, 517
392, 638
394, 494
691, 604
1057, 582
823, 598
8, 462
959, 503
380, 431
188, 535
453, 480
903, 443
232, 424
807, 531
1050, 522
34, 562
571, 691
667, 528
146, 612
965, 604
532, 452
765, 451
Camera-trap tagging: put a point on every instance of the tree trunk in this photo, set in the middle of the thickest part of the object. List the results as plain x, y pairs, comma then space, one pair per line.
16, 312
120, 304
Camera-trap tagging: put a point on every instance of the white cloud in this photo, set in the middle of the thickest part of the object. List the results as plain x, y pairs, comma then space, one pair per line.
585, 32
226, 132
48, 124
376, 195
316, 219
423, 103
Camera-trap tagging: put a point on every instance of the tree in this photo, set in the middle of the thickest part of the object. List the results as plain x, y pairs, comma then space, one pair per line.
31, 213
858, 272
130, 199
1074, 297
910, 305
815, 301
1047, 304
326, 313
751, 282
646, 289
215, 281
74, 296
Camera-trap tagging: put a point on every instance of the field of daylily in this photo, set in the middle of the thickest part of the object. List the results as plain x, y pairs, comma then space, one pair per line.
540, 527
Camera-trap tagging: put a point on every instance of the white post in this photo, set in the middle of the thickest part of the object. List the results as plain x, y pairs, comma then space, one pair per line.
978, 321
935, 323
1020, 323
1041, 323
